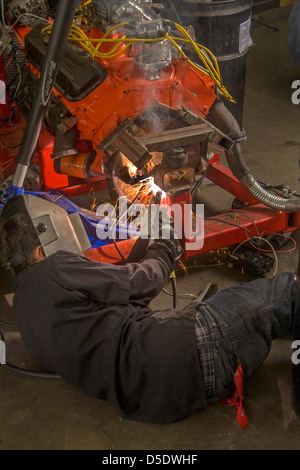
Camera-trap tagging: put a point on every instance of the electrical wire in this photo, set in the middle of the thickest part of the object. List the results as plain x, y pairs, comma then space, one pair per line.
230, 223
240, 211
268, 243
252, 239
212, 265
285, 236
92, 45
182, 296
9, 27
189, 295
205, 55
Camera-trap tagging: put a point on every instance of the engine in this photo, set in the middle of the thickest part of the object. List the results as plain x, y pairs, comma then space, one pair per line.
128, 106
137, 108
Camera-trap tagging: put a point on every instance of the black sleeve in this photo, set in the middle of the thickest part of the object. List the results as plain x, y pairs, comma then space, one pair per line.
103, 282
148, 277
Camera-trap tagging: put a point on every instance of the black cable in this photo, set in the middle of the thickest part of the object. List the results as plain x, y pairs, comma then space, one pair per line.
119, 251
279, 189
20, 370
31, 373
12, 147
175, 292
10, 325
229, 223
246, 215
264, 24
197, 185
175, 12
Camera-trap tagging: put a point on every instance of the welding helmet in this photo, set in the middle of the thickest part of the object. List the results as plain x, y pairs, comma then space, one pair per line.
51, 224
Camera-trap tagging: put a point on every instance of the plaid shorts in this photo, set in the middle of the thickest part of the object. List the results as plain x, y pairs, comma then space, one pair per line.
206, 355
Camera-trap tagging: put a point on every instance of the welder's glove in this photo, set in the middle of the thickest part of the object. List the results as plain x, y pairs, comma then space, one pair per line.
162, 235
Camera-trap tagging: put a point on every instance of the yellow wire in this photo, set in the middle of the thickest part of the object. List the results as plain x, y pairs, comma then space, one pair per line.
211, 64
211, 67
94, 51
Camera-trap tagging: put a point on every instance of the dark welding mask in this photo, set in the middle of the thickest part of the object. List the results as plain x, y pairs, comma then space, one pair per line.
51, 224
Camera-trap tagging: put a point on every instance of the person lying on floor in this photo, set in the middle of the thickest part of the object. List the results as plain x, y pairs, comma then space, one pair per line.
91, 323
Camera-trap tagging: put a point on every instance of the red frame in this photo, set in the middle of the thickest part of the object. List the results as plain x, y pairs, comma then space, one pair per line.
126, 94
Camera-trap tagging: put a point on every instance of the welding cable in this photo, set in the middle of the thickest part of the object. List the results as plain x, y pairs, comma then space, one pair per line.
31, 373
21, 370
119, 251
181, 296
242, 173
175, 289
220, 117
10, 325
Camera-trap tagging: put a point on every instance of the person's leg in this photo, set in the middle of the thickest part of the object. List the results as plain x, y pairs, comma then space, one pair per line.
265, 302
243, 320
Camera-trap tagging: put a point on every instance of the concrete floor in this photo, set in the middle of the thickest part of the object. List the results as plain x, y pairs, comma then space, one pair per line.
41, 414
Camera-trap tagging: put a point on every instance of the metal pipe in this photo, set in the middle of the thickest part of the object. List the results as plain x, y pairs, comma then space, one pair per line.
241, 172
58, 40
221, 118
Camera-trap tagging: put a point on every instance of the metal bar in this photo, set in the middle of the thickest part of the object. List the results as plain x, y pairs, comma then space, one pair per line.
58, 40
223, 177
218, 234
182, 137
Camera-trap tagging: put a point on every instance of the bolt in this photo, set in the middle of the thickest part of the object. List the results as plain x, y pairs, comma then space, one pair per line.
41, 227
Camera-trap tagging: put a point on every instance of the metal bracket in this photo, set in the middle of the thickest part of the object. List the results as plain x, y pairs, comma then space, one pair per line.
217, 136
122, 139
138, 149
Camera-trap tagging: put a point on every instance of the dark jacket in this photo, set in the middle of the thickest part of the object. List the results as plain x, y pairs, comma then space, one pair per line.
90, 323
